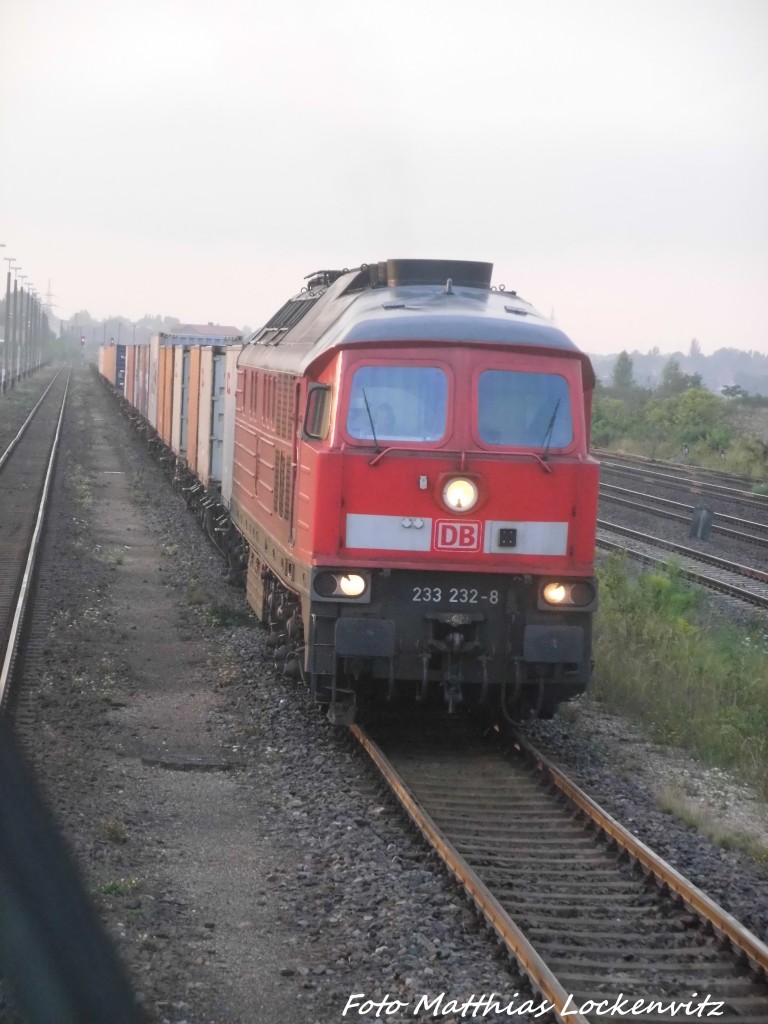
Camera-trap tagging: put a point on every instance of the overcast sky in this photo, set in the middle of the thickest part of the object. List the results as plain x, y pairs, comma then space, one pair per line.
197, 158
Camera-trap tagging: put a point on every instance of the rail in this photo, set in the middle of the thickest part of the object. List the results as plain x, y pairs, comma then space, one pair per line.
25, 583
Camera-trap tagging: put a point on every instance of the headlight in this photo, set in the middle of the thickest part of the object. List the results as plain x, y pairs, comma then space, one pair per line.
568, 593
554, 593
351, 585
339, 585
460, 494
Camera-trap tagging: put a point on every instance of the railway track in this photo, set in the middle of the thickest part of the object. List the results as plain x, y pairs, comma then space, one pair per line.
641, 463
599, 924
26, 470
739, 581
734, 527
48, 928
694, 483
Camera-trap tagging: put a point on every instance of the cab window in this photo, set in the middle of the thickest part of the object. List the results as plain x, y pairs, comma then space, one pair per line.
398, 403
524, 410
317, 412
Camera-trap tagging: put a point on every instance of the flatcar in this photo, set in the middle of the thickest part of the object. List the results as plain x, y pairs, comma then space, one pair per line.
412, 498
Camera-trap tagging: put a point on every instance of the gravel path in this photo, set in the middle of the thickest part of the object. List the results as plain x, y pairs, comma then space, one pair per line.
239, 851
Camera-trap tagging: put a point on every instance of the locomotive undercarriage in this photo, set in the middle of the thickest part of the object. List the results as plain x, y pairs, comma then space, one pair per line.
513, 661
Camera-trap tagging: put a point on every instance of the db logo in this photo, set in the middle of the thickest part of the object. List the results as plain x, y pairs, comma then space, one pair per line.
452, 536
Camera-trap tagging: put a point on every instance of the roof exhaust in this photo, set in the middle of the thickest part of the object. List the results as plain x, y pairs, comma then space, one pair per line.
463, 273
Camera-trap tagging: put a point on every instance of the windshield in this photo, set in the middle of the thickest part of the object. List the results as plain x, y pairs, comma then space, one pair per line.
524, 410
398, 403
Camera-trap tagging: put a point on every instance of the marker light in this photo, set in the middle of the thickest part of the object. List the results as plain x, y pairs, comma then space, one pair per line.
460, 494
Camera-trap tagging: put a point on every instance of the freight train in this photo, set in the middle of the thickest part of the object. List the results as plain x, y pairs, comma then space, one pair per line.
398, 462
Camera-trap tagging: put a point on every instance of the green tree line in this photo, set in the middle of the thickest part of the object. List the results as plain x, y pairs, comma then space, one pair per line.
680, 419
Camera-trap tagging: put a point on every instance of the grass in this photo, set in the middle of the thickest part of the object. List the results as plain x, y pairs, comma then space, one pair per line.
141, 488
222, 615
115, 832
80, 486
215, 612
25, 393
739, 457
694, 683
108, 556
121, 886
672, 800
196, 594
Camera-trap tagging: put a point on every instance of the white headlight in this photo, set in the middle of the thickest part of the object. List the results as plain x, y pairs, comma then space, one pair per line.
573, 594
554, 593
351, 585
460, 494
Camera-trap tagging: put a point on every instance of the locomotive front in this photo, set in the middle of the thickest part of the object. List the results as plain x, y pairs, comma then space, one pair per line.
445, 499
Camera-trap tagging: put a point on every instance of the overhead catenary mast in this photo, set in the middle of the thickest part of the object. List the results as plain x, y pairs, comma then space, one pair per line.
49, 305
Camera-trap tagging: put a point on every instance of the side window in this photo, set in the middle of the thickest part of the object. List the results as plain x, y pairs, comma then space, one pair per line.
316, 414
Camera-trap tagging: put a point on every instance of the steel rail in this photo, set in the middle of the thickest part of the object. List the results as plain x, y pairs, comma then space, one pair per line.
510, 934
7, 453
699, 556
726, 925
9, 655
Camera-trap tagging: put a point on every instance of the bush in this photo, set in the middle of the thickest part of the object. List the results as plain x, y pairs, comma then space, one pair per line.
698, 684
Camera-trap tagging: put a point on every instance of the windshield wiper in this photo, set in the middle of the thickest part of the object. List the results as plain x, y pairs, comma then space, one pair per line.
547, 441
370, 420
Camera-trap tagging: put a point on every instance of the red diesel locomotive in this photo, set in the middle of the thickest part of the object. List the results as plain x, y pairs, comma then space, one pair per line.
413, 484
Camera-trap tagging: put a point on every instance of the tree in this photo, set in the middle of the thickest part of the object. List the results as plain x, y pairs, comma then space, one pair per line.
699, 415
611, 419
658, 425
675, 382
733, 391
623, 378
695, 350
83, 318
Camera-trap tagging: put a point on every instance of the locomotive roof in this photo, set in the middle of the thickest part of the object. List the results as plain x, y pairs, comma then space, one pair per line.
351, 308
